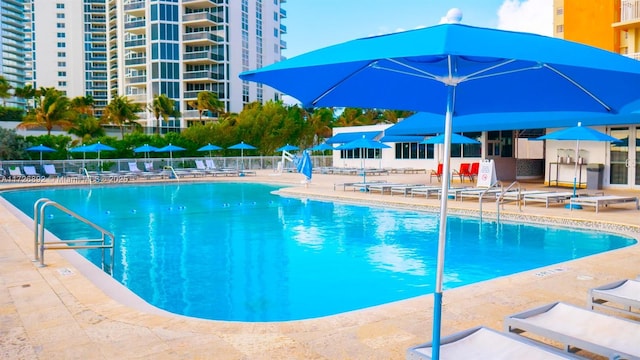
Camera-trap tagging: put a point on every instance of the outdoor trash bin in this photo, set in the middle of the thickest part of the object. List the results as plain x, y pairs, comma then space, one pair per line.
594, 176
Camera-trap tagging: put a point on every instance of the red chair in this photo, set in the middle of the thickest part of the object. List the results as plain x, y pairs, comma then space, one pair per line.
465, 171
436, 173
473, 173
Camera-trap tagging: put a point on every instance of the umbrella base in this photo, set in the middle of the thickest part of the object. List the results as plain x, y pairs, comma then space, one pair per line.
573, 206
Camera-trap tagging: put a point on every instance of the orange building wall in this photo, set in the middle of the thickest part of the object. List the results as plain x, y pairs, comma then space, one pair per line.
589, 22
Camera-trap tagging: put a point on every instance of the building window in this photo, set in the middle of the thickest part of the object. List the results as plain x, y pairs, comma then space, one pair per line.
60, 25
62, 63
59, 6
414, 150
62, 73
61, 35
60, 15
61, 45
559, 28
62, 54
62, 83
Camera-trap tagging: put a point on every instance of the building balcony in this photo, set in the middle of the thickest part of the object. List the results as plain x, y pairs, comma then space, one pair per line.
138, 98
201, 19
629, 15
199, 4
135, 43
201, 76
635, 56
135, 27
202, 57
283, 13
139, 79
135, 8
283, 29
201, 38
136, 61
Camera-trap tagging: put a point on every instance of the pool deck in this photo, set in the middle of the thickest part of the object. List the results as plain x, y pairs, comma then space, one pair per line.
58, 312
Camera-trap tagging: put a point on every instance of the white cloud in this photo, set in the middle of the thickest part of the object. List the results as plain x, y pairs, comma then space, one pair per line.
534, 16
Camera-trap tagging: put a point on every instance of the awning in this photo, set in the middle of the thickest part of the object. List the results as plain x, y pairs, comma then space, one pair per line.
401, 138
427, 123
346, 137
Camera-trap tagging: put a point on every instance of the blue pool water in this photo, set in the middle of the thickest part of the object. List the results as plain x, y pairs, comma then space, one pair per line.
230, 251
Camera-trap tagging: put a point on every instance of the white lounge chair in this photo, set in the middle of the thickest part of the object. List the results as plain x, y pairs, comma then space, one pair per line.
30, 170
573, 326
621, 296
484, 343
605, 200
15, 172
548, 198
50, 170
133, 167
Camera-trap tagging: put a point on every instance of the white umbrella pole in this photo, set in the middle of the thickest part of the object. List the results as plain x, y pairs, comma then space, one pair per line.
442, 233
575, 168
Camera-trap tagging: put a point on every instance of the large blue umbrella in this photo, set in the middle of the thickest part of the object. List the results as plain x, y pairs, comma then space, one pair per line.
455, 139
483, 70
578, 133
242, 147
170, 148
363, 144
41, 149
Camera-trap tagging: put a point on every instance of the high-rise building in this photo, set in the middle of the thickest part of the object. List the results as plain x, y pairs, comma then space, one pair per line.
182, 47
12, 43
69, 48
145, 48
612, 25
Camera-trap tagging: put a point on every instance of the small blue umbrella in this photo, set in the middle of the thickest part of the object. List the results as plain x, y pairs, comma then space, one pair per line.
41, 149
146, 149
242, 146
305, 166
362, 144
210, 148
288, 148
170, 148
578, 133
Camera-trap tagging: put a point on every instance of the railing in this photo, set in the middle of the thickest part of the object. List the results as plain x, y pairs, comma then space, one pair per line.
500, 198
629, 10
106, 241
170, 169
483, 193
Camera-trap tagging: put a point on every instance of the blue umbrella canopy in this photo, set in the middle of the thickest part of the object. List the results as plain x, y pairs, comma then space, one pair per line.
145, 148
97, 147
81, 148
288, 148
170, 149
484, 70
242, 146
455, 139
210, 147
41, 149
321, 147
362, 143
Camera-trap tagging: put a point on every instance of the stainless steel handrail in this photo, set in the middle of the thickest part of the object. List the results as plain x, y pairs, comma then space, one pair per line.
494, 185
500, 198
172, 170
39, 208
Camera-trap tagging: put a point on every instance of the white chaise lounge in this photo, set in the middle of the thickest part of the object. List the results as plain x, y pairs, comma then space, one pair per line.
621, 296
577, 327
484, 343
605, 200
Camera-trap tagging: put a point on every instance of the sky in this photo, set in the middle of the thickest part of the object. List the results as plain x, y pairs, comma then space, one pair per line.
313, 24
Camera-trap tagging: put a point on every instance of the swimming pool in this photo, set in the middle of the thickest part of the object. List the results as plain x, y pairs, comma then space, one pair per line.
230, 251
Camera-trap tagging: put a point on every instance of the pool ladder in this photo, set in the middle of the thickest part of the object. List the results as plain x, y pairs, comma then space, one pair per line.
106, 241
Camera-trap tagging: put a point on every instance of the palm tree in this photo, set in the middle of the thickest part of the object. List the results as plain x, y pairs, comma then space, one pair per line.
53, 110
83, 104
28, 93
163, 106
207, 101
121, 111
87, 127
5, 90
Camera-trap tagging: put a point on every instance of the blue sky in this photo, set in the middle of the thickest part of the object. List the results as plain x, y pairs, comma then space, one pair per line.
313, 24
